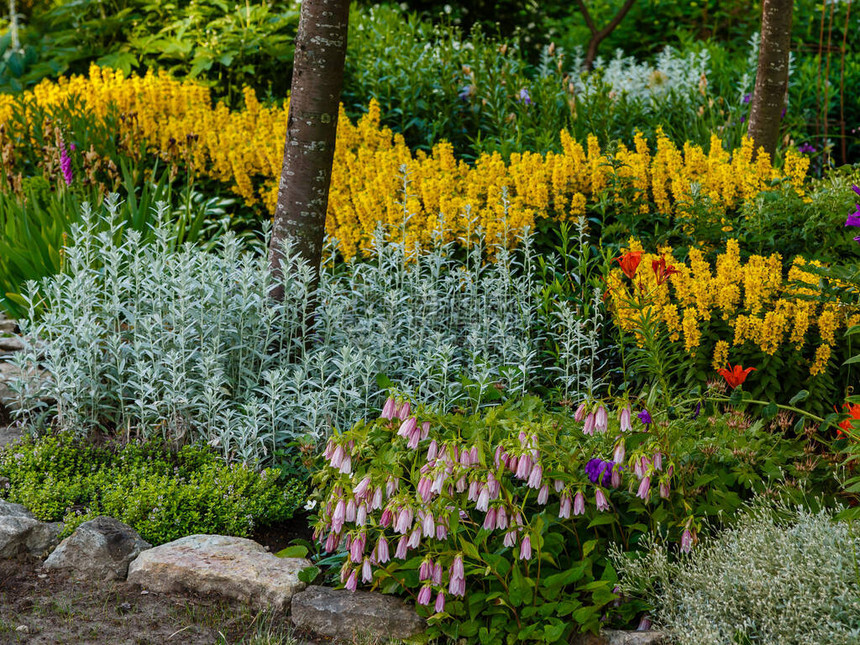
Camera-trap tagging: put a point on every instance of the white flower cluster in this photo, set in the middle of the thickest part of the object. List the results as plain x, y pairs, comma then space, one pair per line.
625, 76
779, 577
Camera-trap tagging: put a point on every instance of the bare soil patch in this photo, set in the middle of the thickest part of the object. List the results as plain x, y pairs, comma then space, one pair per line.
49, 608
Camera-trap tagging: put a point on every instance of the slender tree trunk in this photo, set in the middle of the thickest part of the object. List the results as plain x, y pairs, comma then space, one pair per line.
311, 130
599, 35
771, 81
13, 26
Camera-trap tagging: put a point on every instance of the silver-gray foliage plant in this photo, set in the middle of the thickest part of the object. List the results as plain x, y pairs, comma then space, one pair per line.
151, 339
778, 577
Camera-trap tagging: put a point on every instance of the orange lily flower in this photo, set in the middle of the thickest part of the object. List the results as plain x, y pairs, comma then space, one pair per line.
736, 375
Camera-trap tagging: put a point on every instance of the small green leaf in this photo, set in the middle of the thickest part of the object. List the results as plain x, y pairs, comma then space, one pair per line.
799, 397
309, 574
293, 552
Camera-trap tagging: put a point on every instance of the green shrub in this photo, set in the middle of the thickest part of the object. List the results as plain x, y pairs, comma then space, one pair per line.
164, 495
778, 577
415, 491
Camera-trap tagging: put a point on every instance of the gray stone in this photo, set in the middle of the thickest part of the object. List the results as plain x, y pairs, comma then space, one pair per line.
100, 549
228, 566
345, 615
21, 533
8, 435
7, 325
8, 509
621, 637
9, 344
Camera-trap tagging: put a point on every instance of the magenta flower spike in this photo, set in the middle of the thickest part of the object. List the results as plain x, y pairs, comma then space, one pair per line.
66, 165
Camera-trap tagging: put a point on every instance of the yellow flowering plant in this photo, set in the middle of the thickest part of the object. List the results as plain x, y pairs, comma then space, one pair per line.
752, 313
178, 121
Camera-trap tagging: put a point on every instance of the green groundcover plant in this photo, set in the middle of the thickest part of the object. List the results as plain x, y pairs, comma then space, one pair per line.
161, 493
498, 526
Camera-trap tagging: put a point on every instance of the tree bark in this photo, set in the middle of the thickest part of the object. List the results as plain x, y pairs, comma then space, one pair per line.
599, 35
311, 130
771, 81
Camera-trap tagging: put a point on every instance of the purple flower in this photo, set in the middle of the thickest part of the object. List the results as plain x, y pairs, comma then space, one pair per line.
854, 218
524, 97
599, 471
645, 416
697, 410
66, 165
465, 93
806, 149
747, 98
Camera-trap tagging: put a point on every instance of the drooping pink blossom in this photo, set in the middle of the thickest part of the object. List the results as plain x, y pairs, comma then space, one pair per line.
382, 555
588, 428
425, 595
526, 548
389, 409
440, 602
579, 503
543, 494
352, 581
490, 519
601, 420
564, 507
624, 419
366, 572
619, 453
600, 499
644, 488
579, 415
401, 551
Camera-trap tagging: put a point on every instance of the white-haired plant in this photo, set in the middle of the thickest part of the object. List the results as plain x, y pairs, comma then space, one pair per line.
150, 338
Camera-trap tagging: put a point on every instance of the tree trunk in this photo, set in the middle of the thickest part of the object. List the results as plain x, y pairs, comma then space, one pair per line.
771, 81
311, 131
599, 35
